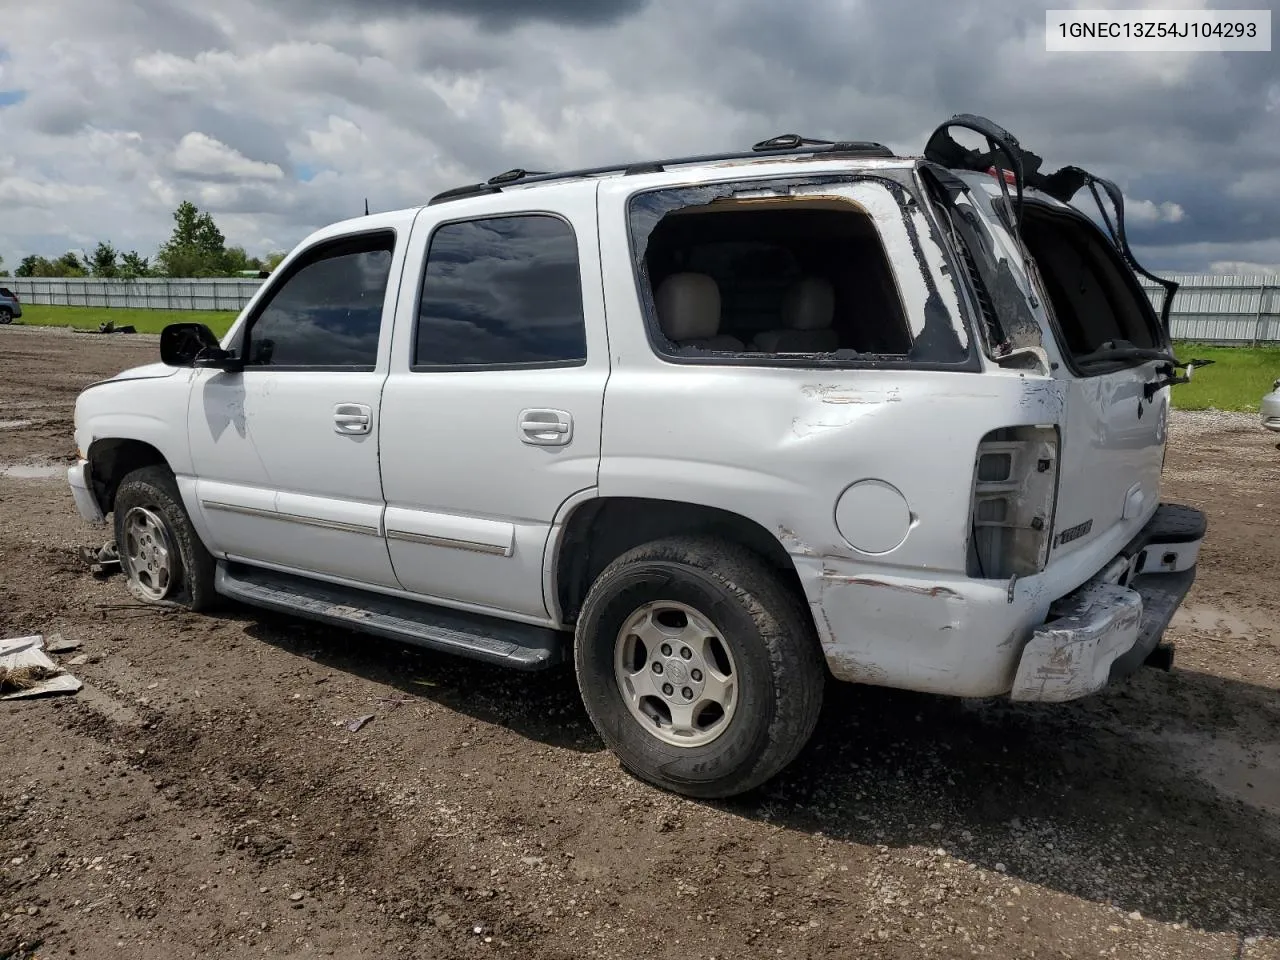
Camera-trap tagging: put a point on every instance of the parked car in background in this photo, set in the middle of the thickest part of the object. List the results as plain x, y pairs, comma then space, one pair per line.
1270, 408
10, 307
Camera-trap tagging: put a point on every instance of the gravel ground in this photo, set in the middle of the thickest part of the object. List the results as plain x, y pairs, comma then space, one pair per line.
199, 797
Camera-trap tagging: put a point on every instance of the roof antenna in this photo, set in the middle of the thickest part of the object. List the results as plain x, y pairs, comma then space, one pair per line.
366, 206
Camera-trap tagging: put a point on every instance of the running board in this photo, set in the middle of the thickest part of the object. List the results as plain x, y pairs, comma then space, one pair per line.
476, 636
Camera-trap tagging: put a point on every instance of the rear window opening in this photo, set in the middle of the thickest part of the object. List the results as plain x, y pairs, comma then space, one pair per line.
775, 277
1093, 295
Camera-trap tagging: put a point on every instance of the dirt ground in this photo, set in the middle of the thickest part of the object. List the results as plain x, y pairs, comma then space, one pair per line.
200, 798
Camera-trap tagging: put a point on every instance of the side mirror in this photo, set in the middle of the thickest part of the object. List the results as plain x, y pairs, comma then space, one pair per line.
215, 358
181, 343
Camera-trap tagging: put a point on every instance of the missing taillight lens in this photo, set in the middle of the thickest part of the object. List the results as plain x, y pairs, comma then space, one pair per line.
994, 467
1014, 489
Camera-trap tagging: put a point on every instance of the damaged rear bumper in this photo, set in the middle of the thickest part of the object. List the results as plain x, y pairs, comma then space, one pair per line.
1107, 628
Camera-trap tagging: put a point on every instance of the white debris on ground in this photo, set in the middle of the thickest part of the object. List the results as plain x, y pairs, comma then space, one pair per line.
27, 671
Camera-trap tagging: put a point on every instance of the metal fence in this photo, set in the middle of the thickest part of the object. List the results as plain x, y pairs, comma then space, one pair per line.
1223, 309
1209, 308
198, 294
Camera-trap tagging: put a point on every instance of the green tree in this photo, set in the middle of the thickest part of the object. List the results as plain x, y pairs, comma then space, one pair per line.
27, 266
237, 261
70, 265
196, 248
133, 265
3, 272
67, 265
103, 261
272, 260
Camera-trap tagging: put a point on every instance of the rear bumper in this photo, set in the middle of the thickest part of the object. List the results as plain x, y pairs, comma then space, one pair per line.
80, 478
1270, 410
1107, 628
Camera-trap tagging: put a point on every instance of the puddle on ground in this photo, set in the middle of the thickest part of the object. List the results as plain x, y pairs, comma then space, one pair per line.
1208, 618
31, 471
15, 424
1246, 772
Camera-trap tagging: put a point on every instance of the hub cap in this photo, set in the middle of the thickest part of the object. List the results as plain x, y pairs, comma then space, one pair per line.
676, 674
150, 553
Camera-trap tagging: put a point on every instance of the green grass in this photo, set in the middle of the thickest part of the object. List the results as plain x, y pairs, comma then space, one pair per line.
1237, 380
147, 321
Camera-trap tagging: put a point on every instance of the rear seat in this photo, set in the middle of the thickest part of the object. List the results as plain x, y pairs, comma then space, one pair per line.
808, 310
689, 312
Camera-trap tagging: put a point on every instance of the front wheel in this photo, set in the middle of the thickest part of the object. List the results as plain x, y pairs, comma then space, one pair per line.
698, 667
160, 552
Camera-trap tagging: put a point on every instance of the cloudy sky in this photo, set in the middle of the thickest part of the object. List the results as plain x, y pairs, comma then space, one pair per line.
281, 116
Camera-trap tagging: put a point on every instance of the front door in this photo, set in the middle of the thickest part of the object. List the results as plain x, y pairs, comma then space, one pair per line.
491, 413
285, 453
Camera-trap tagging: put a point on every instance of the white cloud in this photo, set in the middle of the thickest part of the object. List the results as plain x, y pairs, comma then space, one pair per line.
1146, 213
282, 117
1244, 268
23, 192
200, 155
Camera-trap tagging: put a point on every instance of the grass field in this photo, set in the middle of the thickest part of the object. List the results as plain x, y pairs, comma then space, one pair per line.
1236, 381
147, 321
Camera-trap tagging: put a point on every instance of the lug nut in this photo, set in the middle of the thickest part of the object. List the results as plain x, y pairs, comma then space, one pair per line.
697, 675
666, 649
668, 689
657, 666
686, 653
686, 693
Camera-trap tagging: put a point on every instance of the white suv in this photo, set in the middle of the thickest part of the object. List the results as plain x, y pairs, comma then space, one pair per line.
713, 427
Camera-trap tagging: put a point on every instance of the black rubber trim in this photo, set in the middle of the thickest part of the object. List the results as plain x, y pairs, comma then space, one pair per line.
477, 637
1161, 593
1171, 523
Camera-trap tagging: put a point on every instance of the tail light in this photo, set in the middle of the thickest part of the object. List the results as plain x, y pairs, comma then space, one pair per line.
1015, 481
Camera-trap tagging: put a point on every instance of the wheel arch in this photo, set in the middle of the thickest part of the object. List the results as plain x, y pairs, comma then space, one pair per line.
600, 529
111, 459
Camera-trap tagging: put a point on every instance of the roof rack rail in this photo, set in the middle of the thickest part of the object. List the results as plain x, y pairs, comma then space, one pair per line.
785, 145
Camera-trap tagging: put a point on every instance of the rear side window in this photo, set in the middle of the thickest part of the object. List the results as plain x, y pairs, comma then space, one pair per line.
502, 291
1094, 296
6, 292
327, 310
795, 272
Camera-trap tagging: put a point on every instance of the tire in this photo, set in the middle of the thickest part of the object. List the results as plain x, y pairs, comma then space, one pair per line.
150, 521
765, 644
6, 315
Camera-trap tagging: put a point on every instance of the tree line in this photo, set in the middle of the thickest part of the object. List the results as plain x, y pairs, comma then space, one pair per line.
196, 248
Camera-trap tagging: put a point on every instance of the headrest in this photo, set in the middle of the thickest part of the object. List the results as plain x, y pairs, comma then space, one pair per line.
688, 306
810, 304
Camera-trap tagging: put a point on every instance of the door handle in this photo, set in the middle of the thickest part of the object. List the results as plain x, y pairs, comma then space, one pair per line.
545, 428
352, 418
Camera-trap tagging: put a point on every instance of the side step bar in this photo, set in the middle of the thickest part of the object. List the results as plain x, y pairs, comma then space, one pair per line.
478, 637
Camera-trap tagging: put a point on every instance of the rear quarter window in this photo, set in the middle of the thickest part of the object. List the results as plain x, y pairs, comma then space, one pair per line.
823, 272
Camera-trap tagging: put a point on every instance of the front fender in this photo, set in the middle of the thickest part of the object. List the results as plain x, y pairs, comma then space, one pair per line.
150, 411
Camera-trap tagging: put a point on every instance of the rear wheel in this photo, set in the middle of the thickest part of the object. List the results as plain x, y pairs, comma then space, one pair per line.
6, 315
160, 552
698, 667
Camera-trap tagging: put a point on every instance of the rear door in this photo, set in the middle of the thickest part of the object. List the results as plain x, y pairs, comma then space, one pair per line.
491, 413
